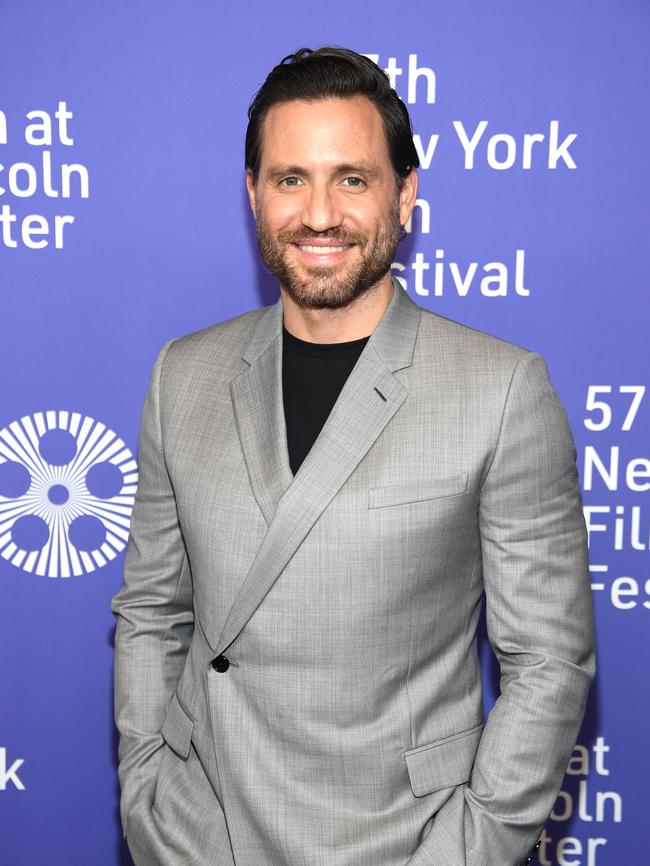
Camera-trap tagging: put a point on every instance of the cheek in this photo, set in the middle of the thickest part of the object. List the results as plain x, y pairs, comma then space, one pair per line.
281, 212
369, 215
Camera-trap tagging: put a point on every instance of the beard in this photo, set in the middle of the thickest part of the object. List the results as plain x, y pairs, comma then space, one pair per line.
338, 285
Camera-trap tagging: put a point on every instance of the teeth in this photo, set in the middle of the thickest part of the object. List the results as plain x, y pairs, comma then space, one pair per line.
310, 248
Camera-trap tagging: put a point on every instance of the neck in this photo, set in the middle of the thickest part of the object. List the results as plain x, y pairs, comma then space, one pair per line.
356, 320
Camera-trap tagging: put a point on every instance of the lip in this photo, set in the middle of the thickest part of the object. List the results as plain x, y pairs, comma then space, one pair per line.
321, 252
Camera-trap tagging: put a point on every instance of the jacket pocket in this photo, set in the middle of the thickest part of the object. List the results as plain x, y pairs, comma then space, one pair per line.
177, 728
417, 491
444, 763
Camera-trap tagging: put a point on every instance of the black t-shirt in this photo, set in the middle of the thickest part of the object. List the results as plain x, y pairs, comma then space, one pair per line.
312, 377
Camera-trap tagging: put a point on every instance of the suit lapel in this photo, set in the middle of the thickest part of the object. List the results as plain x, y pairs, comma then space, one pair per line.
367, 402
259, 414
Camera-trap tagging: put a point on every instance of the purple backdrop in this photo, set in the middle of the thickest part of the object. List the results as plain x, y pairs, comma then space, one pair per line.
123, 222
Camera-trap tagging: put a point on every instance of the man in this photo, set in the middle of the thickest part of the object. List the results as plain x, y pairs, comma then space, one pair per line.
328, 488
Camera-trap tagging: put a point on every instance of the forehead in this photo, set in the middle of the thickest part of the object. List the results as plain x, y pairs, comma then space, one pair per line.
324, 131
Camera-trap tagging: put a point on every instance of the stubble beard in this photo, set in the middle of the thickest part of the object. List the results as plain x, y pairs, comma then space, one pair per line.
336, 286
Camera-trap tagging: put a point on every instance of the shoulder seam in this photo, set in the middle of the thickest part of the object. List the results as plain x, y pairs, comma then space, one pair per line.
163, 358
503, 414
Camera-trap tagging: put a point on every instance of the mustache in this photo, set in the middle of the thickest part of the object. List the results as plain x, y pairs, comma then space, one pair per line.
333, 234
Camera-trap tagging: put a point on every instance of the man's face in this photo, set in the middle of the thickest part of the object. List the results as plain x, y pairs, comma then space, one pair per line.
326, 202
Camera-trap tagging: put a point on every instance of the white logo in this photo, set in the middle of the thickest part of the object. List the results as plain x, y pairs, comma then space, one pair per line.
67, 485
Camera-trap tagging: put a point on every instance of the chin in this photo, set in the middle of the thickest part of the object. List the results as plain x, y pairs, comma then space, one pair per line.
325, 296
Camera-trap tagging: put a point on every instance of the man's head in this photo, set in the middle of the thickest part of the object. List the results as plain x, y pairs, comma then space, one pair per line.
330, 163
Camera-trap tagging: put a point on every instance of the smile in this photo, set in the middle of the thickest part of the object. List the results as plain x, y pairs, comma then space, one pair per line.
321, 250
321, 254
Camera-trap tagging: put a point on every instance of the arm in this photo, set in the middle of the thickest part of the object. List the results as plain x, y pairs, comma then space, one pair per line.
539, 621
154, 613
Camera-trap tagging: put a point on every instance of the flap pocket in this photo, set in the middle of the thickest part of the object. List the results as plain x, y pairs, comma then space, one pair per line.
417, 491
443, 763
177, 728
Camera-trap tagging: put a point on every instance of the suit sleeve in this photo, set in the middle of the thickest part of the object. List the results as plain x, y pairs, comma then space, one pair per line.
539, 621
154, 613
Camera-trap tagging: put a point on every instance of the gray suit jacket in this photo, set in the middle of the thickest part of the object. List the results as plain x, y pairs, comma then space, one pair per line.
342, 723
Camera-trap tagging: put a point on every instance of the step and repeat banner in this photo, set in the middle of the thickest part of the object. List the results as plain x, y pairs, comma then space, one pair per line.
124, 222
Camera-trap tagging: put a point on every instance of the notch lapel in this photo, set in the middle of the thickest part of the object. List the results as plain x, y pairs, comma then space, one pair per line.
367, 402
259, 414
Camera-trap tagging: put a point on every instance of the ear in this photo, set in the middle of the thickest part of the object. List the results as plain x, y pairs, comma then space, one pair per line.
407, 196
250, 188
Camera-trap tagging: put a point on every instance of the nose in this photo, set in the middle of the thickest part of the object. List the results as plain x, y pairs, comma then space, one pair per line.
321, 210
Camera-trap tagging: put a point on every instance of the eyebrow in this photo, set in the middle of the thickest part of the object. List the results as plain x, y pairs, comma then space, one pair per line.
280, 171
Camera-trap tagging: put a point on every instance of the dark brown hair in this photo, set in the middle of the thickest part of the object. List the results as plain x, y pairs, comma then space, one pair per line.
331, 72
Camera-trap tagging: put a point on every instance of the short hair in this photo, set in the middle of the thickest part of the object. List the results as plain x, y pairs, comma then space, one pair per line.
327, 73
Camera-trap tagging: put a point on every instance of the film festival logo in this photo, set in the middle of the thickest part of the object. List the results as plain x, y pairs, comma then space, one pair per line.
67, 487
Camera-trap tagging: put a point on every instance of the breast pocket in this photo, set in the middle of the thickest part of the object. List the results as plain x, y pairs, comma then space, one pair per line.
417, 491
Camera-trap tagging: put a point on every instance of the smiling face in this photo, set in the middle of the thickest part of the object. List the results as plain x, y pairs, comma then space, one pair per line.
326, 202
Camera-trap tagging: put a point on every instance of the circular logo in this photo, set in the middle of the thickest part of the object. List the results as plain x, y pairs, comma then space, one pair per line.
67, 486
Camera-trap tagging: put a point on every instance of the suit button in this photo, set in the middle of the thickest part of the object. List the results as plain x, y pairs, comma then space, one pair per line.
220, 664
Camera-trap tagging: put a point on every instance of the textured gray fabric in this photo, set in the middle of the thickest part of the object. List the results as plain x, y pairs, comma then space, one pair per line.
348, 729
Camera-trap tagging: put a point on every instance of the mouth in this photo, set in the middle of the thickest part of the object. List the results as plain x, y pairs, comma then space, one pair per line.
323, 253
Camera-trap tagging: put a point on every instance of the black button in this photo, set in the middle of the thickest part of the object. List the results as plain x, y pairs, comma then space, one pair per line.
220, 664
